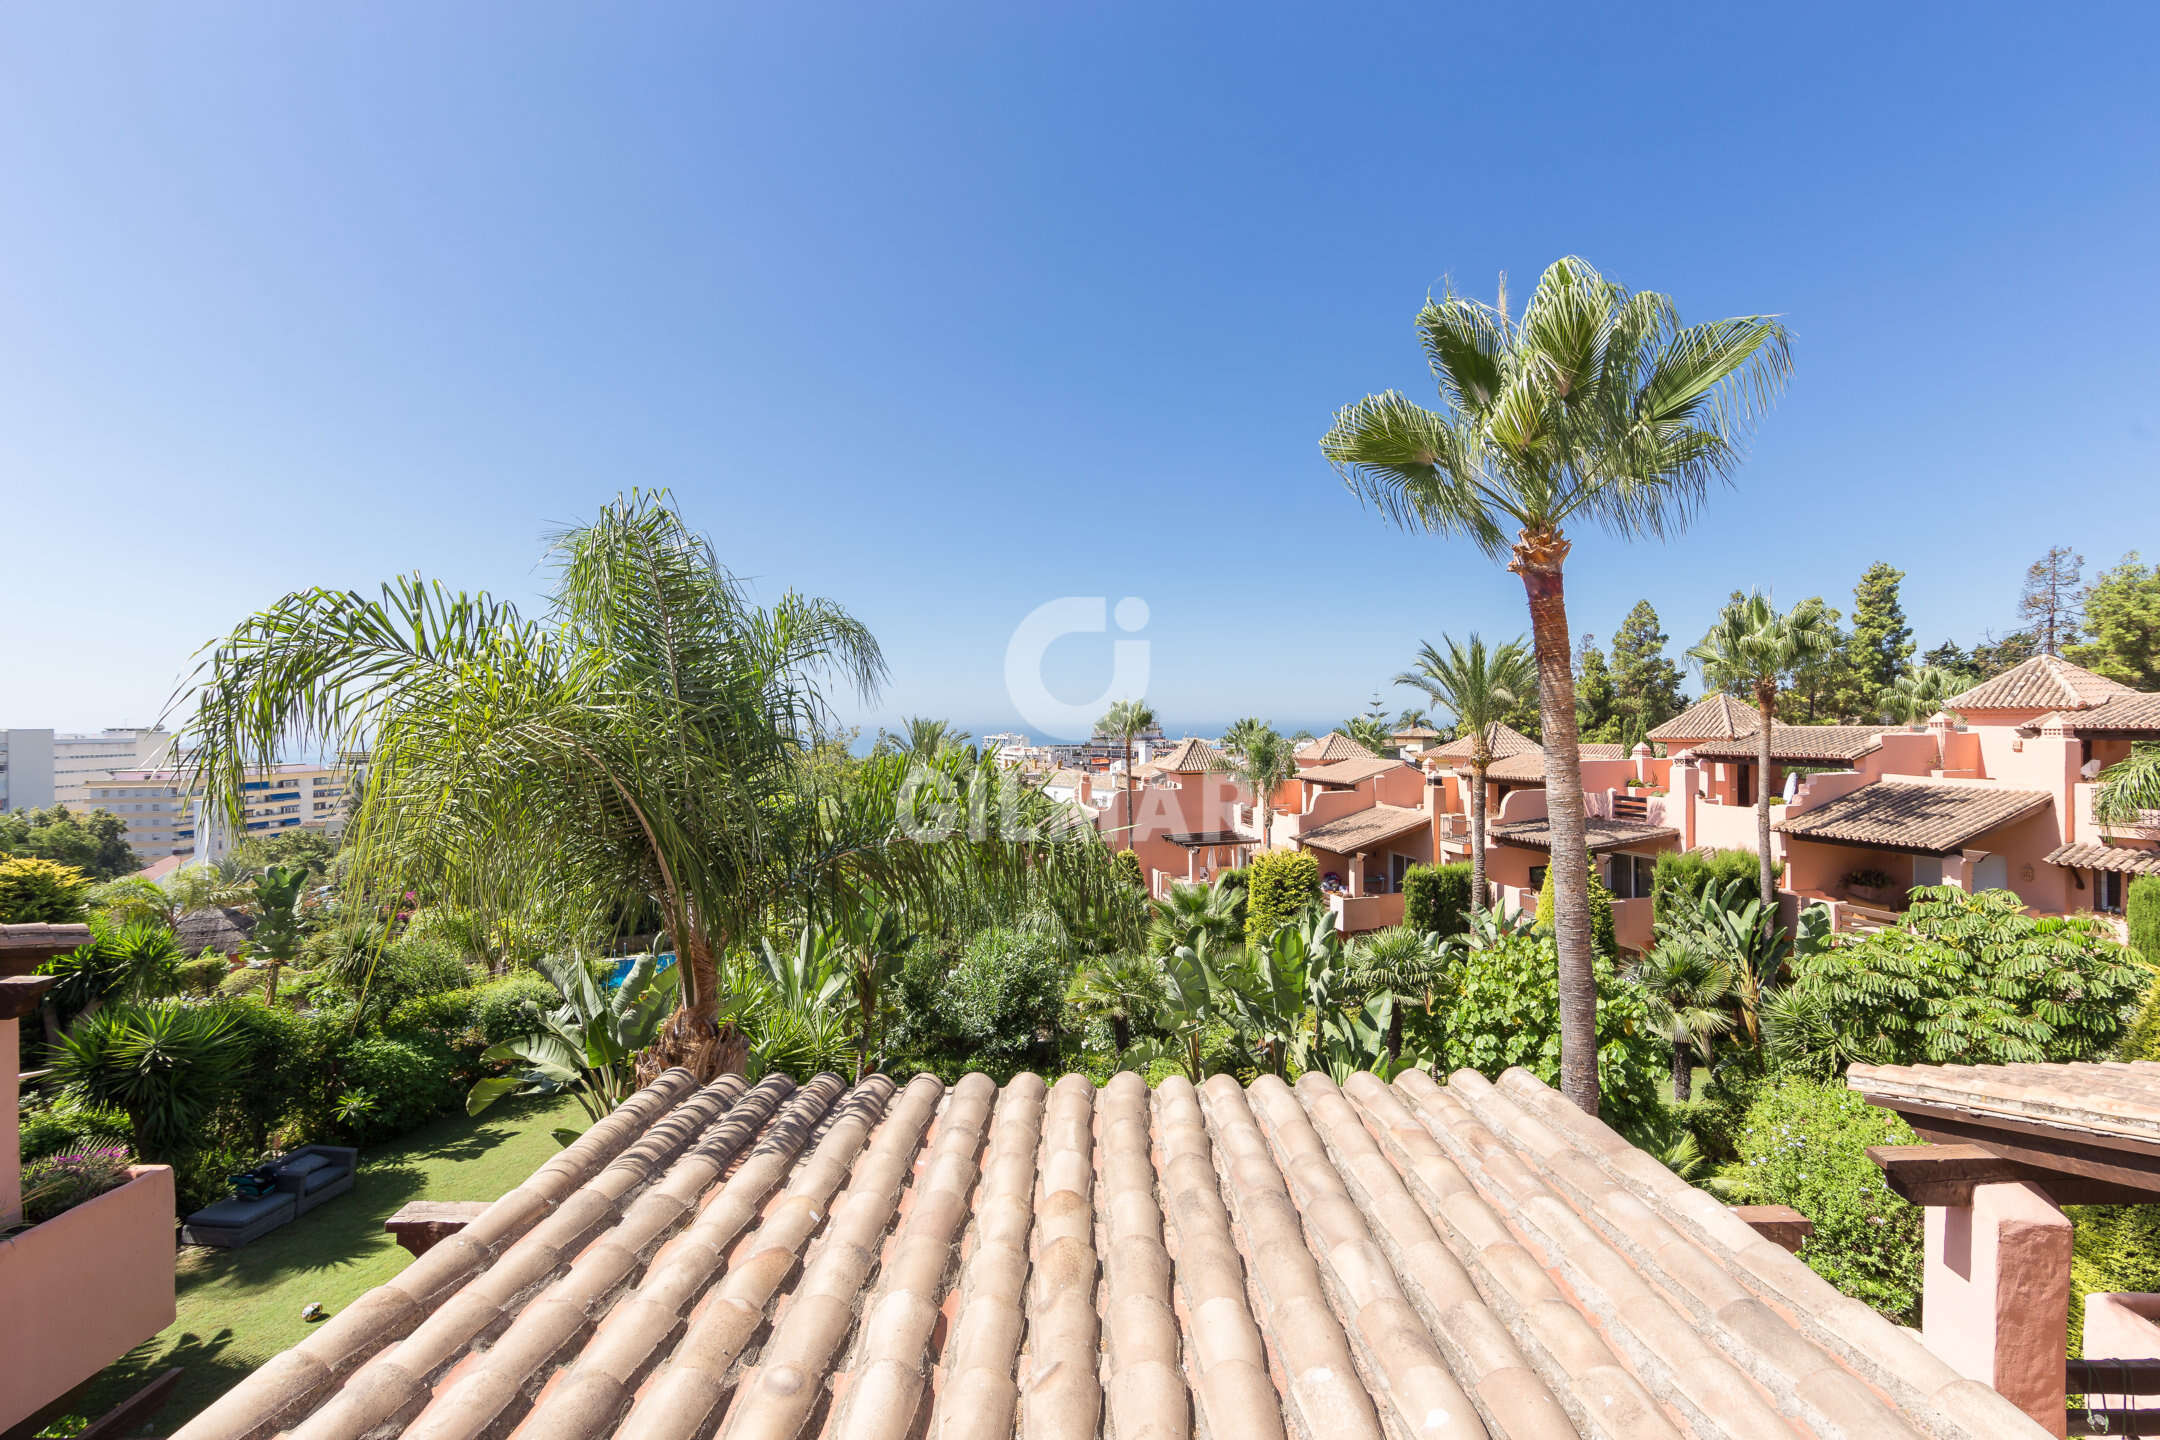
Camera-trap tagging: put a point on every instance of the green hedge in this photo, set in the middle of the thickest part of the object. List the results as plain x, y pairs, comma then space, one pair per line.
1436, 898
1694, 871
2141, 908
1279, 886
408, 1080
1601, 921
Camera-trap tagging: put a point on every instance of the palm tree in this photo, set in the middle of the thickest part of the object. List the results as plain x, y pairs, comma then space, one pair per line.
1752, 650
1123, 721
1399, 962
1189, 912
1917, 694
1688, 989
1598, 406
924, 738
1478, 687
1261, 759
1119, 989
2130, 788
277, 932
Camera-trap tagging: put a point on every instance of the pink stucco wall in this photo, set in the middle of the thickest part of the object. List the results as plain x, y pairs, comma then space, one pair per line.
83, 1289
10, 1122
1996, 1295
2123, 1327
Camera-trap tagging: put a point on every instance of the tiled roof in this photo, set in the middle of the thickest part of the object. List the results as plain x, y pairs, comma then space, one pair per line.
1360, 828
1415, 732
1602, 834
1913, 814
1505, 740
1190, 754
1332, 747
2133, 713
1716, 716
2045, 682
1528, 766
1799, 744
1069, 779
1599, 750
1413, 1261
2118, 1100
1349, 772
2119, 858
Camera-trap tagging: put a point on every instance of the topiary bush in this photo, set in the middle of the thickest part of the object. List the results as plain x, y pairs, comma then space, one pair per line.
1436, 898
1279, 886
1804, 1144
1601, 921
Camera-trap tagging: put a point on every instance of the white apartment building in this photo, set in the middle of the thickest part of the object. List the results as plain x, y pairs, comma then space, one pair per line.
163, 821
42, 768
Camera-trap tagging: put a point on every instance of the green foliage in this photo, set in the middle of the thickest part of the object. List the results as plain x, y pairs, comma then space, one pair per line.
445, 1013
34, 890
138, 961
286, 1077
2122, 619
1882, 643
1127, 867
411, 969
2114, 1249
1967, 979
1594, 695
1279, 885
1500, 1006
408, 1080
309, 850
95, 844
586, 1045
1687, 874
2141, 910
199, 976
1004, 1001
498, 1007
1601, 916
166, 1064
1646, 685
61, 1182
1436, 898
65, 1122
1804, 1144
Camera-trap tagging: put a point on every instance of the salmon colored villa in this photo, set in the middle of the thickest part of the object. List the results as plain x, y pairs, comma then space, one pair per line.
91, 1283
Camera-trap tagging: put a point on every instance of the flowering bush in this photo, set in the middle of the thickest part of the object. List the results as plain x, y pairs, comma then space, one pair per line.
61, 1182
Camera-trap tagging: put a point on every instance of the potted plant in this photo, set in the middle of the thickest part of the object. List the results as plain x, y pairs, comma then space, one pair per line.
1868, 884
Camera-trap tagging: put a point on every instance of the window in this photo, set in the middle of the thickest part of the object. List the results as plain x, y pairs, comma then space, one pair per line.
1628, 876
2108, 891
1537, 877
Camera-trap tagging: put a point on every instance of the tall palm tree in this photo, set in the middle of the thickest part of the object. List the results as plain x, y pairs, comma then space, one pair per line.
1753, 650
1478, 687
1124, 721
1595, 405
1917, 694
1261, 758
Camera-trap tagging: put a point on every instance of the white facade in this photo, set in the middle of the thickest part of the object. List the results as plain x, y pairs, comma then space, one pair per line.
162, 821
42, 768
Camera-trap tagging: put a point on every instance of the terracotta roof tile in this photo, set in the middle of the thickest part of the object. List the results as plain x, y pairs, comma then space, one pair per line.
1602, 834
1349, 772
1332, 747
2119, 858
1189, 754
1799, 744
2119, 1100
1526, 767
1355, 831
1505, 741
1716, 716
2045, 682
2136, 714
1913, 814
1060, 1262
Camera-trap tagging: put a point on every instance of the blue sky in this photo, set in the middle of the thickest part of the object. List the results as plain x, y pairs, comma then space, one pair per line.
946, 311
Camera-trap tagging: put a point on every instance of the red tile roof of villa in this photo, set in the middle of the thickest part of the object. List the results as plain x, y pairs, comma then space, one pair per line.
1332, 747
1716, 716
1505, 740
1190, 755
2045, 682
2114, 1101
1799, 744
1601, 834
1900, 814
1349, 772
1370, 826
2133, 713
2119, 858
1362, 1262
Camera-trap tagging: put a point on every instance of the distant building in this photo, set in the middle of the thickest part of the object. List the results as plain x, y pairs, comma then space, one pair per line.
42, 768
1103, 747
162, 820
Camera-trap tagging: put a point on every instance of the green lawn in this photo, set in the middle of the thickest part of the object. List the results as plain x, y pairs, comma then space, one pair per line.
240, 1307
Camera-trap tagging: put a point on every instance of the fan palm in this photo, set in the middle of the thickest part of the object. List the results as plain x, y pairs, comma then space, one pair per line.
1119, 990
1917, 694
1595, 405
1188, 912
1752, 650
1261, 758
1687, 988
2129, 789
1124, 721
1402, 963
1478, 687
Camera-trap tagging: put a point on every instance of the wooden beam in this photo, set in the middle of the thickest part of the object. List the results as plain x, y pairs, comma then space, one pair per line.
1947, 1173
20, 994
423, 1224
1779, 1224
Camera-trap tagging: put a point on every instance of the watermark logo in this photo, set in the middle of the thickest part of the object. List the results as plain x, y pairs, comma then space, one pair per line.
1051, 622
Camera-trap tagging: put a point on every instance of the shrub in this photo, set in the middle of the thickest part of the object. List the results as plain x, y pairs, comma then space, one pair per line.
447, 1013
498, 1007
2113, 1249
1436, 898
69, 1124
2141, 908
1500, 1006
1005, 1000
1127, 865
1965, 979
63, 1181
168, 1065
287, 1080
1804, 1144
1694, 871
409, 1078
1601, 921
1279, 885
200, 977
34, 890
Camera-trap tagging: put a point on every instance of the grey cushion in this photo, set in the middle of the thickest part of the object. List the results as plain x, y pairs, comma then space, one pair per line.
321, 1178
237, 1212
302, 1165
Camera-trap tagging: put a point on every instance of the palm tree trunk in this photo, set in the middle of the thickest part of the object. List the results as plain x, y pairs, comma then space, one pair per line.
1128, 794
1477, 836
1394, 1029
1683, 1070
1539, 557
1766, 706
691, 1038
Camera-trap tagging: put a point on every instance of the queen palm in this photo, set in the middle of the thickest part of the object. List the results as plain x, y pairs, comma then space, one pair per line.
1595, 406
1752, 650
2130, 788
1478, 687
1124, 721
1262, 759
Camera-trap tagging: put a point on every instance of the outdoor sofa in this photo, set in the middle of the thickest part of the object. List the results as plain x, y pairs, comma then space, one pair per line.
301, 1180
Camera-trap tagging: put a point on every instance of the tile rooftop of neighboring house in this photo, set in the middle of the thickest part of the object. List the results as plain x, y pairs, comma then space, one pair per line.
1505, 740
1355, 831
1918, 815
2118, 1101
2134, 713
1349, 772
1799, 744
2120, 858
1602, 834
1365, 1262
1067, 779
2045, 682
1190, 755
1332, 747
1714, 717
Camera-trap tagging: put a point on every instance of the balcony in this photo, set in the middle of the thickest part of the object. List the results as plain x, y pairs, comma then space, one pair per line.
1356, 914
83, 1289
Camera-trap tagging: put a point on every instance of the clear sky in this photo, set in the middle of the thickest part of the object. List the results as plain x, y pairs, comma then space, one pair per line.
948, 311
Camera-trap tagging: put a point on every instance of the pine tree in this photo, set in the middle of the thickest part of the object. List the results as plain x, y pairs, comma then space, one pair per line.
1826, 688
2122, 615
1646, 685
1882, 643
1594, 694
2049, 602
